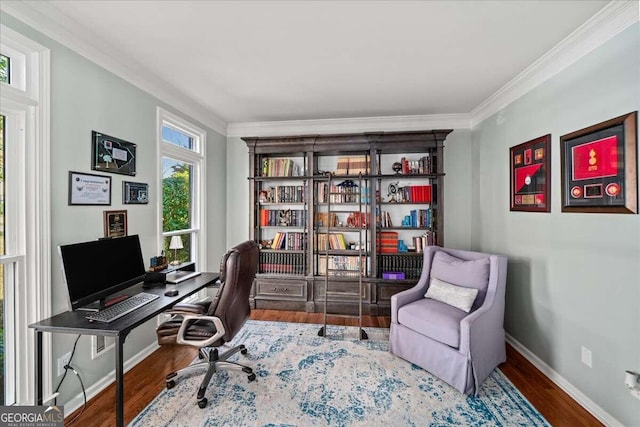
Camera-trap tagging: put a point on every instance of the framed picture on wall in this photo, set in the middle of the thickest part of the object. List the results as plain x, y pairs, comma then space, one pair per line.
599, 167
115, 224
113, 155
89, 189
135, 193
530, 175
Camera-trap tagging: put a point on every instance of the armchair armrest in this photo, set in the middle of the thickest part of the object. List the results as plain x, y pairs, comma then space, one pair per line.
180, 338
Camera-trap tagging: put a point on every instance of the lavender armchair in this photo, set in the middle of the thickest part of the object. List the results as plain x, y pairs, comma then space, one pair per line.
458, 347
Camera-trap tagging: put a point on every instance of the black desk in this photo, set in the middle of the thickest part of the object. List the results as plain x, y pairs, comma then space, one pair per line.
74, 322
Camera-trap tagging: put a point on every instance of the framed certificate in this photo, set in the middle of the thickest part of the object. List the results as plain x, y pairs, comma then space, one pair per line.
599, 167
89, 189
530, 175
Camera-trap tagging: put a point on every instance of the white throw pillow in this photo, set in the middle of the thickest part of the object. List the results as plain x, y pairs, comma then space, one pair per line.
457, 296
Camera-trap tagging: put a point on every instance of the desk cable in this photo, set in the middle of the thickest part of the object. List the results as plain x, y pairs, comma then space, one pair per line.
68, 367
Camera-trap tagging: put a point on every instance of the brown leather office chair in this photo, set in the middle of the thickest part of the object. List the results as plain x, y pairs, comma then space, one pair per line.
211, 324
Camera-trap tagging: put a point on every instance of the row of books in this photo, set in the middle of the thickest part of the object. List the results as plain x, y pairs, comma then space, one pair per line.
334, 240
425, 165
282, 218
282, 263
427, 239
410, 265
353, 165
415, 194
280, 167
339, 193
283, 194
419, 218
293, 241
342, 265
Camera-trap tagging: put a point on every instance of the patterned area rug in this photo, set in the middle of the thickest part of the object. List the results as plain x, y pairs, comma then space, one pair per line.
306, 380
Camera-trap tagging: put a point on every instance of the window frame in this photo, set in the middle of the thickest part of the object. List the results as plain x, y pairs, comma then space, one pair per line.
195, 157
25, 99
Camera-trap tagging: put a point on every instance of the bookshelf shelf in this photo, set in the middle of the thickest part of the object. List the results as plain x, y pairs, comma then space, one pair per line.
345, 180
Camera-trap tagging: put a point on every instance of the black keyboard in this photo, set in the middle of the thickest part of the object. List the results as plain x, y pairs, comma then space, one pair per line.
118, 310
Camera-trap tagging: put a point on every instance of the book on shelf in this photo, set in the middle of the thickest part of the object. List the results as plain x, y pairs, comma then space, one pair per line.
280, 167
353, 165
423, 166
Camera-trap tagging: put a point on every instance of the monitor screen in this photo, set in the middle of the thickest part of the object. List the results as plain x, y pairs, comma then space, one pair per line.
96, 269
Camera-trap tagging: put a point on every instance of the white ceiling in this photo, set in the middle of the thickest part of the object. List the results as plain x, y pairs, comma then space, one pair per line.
255, 61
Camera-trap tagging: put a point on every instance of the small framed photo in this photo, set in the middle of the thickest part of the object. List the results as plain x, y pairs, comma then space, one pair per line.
599, 167
135, 193
89, 189
115, 224
113, 155
531, 176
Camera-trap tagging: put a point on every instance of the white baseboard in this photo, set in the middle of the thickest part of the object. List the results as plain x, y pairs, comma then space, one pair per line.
595, 410
107, 380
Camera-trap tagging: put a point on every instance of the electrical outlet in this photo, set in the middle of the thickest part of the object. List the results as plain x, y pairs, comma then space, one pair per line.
586, 356
62, 362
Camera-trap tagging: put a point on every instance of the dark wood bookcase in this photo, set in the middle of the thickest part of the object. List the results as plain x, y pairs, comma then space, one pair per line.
400, 182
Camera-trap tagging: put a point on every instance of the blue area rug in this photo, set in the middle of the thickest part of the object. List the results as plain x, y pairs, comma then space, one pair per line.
306, 380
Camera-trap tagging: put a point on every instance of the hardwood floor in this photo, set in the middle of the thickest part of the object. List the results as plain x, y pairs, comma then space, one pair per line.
146, 380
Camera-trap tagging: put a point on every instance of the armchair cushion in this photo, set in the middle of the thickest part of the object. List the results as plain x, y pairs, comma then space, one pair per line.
433, 319
467, 273
457, 296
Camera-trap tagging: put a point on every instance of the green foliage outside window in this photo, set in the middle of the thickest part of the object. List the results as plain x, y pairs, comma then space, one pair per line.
4, 69
176, 195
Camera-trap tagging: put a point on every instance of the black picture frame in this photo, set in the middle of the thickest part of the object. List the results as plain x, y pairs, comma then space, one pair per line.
89, 189
112, 155
530, 175
135, 193
599, 167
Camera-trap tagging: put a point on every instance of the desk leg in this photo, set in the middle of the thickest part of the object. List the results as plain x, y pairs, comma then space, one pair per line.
38, 370
119, 381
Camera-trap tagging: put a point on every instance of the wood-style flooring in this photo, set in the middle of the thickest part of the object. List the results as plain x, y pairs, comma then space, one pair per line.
146, 380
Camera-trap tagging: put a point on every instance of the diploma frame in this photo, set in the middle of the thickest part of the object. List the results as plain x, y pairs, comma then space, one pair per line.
89, 189
530, 175
115, 223
599, 167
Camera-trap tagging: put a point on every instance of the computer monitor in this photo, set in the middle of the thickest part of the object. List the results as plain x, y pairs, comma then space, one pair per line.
97, 269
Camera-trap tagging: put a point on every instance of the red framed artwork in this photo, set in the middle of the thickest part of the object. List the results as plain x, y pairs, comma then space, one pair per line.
530, 175
599, 167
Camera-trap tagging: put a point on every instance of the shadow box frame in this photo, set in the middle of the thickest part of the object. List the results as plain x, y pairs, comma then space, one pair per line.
590, 185
527, 159
112, 155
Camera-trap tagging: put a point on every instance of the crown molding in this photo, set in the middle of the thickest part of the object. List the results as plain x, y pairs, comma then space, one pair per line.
614, 18
611, 20
48, 20
350, 125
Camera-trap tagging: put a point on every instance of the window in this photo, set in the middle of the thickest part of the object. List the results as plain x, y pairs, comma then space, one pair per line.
24, 213
182, 177
5, 69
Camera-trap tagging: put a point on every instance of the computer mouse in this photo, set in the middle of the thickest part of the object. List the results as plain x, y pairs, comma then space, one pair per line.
171, 293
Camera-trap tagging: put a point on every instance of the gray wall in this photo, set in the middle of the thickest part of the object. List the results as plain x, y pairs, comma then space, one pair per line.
574, 278
86, 97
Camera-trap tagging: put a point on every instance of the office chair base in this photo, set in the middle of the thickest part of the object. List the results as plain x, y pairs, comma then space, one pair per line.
211, 361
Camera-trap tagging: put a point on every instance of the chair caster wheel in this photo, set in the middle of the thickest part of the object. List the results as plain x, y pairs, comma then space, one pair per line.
243, 351
247, 370
252, 377
202, 403
171, 384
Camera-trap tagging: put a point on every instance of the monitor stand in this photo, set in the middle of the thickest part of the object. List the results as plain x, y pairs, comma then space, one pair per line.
103, 303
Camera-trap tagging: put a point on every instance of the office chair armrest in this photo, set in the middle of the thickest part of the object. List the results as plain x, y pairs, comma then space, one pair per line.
186, 308
180, 338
